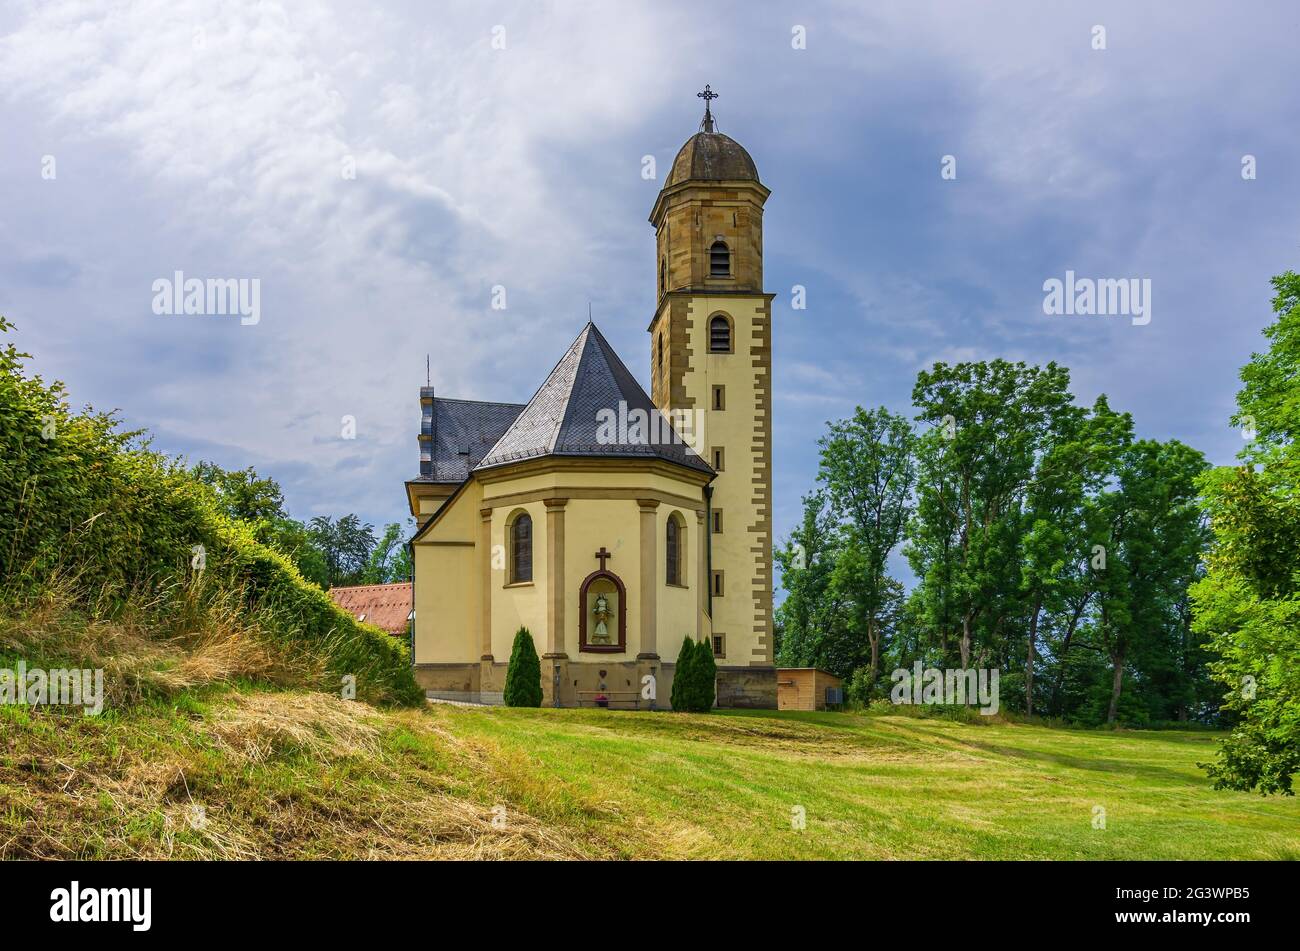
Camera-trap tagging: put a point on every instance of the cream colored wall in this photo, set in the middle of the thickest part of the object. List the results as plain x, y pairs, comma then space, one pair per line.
448, 586
678, 613
743, 613
589, 524
449, 573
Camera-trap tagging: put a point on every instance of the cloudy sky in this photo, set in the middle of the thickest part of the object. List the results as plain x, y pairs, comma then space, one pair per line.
212, 138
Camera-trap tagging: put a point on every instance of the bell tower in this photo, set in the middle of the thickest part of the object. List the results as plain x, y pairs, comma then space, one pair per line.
711, 356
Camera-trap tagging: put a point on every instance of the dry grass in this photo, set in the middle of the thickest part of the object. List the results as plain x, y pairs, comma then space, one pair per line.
210, 748
177, 638
277, 775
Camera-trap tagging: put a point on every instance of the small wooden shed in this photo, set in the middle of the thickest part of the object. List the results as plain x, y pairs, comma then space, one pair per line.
804, 688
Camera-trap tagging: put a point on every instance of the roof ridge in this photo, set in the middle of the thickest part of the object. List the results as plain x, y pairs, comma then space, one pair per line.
585, 336
358, 587
454, 399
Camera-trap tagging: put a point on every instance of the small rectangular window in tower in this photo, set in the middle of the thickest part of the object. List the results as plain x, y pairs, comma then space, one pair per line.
718, 459
717, 583
719, 397
717, 521
719, 645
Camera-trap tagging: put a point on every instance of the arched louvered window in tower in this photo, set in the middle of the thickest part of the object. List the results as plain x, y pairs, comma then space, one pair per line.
719, 335
719, 260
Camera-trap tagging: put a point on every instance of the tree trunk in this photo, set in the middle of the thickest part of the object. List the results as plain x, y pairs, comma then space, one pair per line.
965, 642
1029, 661
875, 656
1060, 661
1117, 660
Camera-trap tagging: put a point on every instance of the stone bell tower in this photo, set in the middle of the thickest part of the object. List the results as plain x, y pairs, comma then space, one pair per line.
711, 355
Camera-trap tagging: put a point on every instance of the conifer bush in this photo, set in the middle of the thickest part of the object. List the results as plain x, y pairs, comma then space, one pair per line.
704, 675
682, 675
694, 677
524, 675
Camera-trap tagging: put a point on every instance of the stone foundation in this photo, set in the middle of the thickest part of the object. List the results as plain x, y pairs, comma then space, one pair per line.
484, 682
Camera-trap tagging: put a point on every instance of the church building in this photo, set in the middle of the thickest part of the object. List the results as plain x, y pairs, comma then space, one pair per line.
609, 522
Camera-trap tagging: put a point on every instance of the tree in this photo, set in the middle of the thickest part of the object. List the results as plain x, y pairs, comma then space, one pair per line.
291, 537
1153, 539
1248, 603
243, 494
524, 675
346, 546
868, 468
809, 616
683, 672
259, 503
991, 425
389, 560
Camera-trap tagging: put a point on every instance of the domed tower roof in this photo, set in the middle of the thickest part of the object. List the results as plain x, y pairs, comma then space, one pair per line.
710, 156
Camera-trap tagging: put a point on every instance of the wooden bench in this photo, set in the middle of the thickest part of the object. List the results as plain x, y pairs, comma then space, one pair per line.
614, 696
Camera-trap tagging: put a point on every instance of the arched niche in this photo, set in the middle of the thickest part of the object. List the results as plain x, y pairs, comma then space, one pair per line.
602, 582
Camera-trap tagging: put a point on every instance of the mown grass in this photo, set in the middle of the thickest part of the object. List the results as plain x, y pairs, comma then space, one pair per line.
286, 773
890, 787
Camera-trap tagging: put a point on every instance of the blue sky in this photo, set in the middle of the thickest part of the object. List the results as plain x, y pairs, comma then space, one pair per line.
209, 137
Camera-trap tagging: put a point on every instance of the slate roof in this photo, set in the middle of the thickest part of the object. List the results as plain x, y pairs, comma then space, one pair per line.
463, 431
562, 417
712, 157
387, 606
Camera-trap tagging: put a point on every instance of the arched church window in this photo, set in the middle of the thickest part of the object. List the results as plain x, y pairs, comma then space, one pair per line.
660, 367
663, 276
674, 533
521, 548
719, 260
719, 335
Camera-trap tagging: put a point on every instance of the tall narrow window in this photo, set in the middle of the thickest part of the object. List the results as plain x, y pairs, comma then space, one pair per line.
521, 548
660, 367
719, 335
719, 397
673, 548
719, 260
663, 277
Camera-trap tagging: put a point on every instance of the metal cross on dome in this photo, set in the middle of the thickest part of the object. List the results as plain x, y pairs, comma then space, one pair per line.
708, 94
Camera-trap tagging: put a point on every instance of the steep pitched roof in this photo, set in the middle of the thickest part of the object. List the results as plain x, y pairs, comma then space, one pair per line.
387, 606
463, 431
564, 416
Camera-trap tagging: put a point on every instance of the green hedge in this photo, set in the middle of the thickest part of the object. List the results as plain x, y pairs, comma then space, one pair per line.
82, 499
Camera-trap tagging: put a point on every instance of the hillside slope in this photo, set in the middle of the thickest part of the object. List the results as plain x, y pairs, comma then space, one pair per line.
233, 771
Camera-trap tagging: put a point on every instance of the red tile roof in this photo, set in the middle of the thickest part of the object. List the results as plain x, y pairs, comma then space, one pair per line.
387, 606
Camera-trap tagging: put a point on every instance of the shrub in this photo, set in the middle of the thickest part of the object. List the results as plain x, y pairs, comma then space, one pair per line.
682, 675
694, 678
82, 499
704, 677
524, 675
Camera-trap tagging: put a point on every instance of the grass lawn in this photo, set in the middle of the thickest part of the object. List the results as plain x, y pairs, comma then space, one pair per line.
296, 774
880, 786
